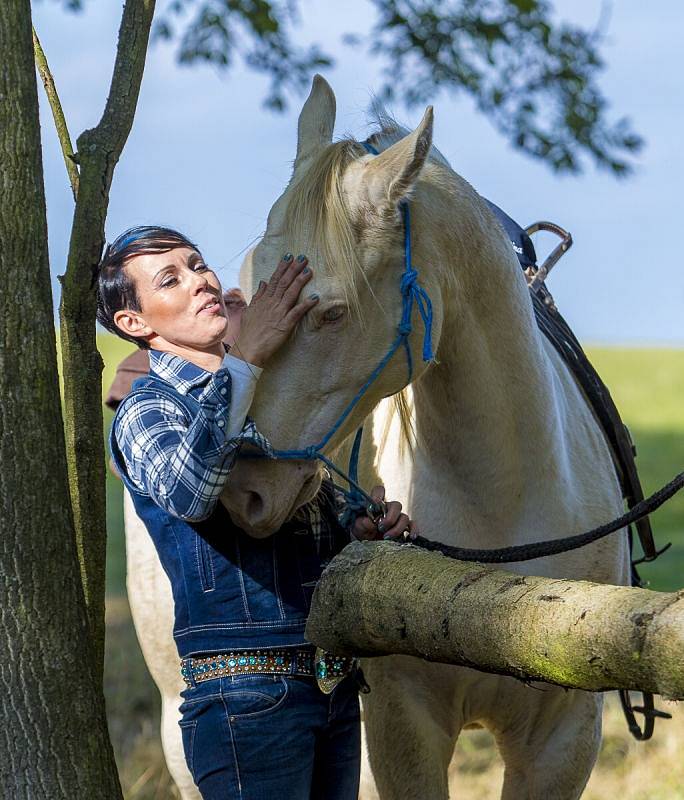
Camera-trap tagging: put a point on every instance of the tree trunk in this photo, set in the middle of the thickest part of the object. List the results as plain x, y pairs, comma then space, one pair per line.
98, 152
377, 598
53, 740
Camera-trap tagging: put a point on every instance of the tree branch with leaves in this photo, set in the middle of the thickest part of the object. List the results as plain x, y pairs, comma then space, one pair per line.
533, 76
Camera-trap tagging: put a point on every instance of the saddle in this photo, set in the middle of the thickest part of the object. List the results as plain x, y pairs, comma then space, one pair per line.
559, 333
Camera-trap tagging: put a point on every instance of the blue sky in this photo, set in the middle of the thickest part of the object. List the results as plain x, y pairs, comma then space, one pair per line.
205, 156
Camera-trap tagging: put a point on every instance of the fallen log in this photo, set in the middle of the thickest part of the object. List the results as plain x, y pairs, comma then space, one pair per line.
377, 598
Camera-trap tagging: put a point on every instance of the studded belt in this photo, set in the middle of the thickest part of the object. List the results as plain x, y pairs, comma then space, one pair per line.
328, 669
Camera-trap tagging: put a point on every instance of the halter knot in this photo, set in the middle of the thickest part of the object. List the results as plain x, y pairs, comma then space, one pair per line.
310, 453
408, 280
404, 328
354, 505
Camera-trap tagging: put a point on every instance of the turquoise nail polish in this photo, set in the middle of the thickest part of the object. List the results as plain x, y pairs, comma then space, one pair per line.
306, 271
288, 257
314, 297
301, 258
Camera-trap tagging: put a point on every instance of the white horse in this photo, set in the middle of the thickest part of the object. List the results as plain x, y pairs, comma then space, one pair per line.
505, 450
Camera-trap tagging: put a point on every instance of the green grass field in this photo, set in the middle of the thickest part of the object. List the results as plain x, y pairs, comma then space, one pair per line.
648, 389
647, 386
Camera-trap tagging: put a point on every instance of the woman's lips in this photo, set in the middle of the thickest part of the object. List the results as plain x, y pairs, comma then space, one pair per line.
213, 309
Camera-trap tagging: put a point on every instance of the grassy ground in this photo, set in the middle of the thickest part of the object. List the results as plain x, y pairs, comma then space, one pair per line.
648, 387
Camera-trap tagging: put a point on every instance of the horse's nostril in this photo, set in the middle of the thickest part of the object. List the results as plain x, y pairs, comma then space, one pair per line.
255, 504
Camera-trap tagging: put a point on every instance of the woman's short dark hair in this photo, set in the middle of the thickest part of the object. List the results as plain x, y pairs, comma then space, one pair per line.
116, 289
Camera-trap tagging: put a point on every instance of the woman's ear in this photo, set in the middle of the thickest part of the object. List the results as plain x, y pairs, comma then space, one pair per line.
132, 323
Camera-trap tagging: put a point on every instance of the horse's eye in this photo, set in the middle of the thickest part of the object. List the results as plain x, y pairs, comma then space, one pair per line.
333, 314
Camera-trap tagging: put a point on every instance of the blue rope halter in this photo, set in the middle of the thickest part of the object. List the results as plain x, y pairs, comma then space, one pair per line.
411, 292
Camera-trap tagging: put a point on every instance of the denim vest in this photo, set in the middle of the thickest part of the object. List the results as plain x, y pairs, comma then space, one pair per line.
231, 590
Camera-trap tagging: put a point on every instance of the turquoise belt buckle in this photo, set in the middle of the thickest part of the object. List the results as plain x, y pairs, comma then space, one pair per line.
330, 670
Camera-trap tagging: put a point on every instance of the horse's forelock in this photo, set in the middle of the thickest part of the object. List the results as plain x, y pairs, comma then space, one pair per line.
318, 217
387, 131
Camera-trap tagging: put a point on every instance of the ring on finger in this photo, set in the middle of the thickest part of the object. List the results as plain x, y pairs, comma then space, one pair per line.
376, 511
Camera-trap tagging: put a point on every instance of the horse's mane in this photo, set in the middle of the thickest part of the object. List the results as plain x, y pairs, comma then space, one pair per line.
318, 217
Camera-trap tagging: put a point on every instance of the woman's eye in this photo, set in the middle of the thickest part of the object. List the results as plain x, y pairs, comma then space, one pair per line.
200, 267
333, 314
168, 282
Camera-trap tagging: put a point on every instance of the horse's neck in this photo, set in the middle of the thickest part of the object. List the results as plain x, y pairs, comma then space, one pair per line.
486, 408
504, 437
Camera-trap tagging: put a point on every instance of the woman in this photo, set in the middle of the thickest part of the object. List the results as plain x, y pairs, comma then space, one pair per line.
255, 724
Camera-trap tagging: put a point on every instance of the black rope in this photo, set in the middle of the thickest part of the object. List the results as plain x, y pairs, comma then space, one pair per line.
551, 547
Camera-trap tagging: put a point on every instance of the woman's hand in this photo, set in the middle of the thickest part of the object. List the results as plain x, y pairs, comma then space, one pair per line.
270, 318
393, 525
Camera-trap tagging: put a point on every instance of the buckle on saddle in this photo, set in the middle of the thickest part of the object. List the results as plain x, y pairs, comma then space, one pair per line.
648, 559
650, 712
536, 279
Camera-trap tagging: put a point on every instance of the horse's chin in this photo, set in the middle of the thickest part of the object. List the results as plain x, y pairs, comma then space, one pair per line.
306, 494
261, 522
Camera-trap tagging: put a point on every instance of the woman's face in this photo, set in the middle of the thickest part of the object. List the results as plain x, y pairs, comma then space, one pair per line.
181, 302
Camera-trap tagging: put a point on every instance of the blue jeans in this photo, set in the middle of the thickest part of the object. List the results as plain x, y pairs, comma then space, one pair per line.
261, 737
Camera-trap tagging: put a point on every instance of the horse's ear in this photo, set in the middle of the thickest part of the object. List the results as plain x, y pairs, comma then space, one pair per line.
391, 175
316, 121
247, 277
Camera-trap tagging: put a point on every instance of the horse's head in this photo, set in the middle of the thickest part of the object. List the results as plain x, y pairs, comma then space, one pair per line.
342, 209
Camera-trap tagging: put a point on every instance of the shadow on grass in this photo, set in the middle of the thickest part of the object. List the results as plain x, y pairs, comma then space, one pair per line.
133, 711
660, 456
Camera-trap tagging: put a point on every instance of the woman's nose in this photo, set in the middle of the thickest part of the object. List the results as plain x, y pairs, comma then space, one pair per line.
199, 281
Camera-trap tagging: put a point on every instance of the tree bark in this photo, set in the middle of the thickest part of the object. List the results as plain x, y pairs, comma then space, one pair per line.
377, 598
98, 153
53, 738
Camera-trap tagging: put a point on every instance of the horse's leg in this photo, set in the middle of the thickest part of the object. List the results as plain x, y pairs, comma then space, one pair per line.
151, 602
172, 744
550, 752
410, 727
367, 788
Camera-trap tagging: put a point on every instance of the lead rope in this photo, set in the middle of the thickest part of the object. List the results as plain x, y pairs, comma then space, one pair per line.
552, 547
356, 498
355, 501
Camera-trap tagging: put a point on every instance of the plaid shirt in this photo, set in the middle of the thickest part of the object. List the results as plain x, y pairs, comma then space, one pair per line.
182, 463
